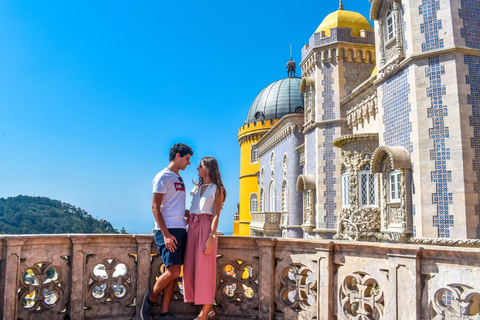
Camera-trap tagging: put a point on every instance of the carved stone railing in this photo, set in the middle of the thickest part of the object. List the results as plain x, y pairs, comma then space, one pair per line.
104, 277
266, 224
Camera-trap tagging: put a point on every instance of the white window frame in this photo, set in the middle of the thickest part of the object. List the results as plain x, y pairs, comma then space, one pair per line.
390, 28
254, 154
253, 203
272, 196
346, 189
394, 186
370, 179
308, 200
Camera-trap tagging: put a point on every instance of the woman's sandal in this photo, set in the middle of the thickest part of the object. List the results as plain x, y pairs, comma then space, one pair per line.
212, 315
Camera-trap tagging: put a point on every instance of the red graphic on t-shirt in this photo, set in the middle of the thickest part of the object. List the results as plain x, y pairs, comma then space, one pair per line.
179, 186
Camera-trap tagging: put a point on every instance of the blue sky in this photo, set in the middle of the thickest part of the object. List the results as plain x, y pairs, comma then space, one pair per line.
94, 93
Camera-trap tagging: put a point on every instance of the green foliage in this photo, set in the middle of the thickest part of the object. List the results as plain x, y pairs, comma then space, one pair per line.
41, 215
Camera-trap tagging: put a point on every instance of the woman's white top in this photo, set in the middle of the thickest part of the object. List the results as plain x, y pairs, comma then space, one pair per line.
203, 203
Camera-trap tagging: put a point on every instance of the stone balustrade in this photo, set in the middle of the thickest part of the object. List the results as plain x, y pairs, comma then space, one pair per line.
104, 277
266, 224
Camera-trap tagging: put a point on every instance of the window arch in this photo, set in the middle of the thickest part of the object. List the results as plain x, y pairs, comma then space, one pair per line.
390, 23
253, 203
272, 197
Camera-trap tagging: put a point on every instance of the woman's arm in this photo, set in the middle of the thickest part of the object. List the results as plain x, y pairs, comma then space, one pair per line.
217, 207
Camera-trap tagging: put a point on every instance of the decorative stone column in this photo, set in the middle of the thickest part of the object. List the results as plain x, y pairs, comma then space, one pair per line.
78, 261
144, 250
267, 278
13, 256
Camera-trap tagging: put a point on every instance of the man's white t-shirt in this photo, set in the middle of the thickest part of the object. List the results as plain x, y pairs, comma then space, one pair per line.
172, 187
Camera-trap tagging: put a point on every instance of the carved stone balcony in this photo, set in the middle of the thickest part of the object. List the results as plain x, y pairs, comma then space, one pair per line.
105, 276
266, 224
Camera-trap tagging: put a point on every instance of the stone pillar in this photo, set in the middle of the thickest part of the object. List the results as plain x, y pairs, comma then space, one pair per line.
325, 273
13, 256
144, 250
405, 287
267, 278
78, 262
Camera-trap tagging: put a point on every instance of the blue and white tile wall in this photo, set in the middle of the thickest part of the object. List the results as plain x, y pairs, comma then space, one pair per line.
329, 152
469, 12
431, 25
397, 108
440, 154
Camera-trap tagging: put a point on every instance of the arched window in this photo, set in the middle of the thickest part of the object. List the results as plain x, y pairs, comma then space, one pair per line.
253, 203
368, 187
254, 153
390, 23
262, 200
272, 196
345, 188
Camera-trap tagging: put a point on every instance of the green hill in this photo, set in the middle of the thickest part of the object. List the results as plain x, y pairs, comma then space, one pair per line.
40, 215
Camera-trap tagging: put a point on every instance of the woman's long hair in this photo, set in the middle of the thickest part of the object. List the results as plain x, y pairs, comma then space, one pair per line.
211, 164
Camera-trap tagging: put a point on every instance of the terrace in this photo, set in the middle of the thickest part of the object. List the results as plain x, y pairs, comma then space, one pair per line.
104, 276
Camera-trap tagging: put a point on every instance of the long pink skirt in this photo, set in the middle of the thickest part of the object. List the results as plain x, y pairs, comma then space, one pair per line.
199, 270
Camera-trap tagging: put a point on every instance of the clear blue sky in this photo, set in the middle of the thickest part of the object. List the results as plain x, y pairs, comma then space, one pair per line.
94, 93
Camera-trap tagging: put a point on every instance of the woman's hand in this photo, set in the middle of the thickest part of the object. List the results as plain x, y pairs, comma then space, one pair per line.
208, 248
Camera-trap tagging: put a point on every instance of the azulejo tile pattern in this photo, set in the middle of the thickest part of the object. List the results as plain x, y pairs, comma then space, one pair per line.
311, 145
404, 27
397, 110
473, 79
355, 74
431, 25
329, 169
469, 12
471, 19
329, 160
440, 154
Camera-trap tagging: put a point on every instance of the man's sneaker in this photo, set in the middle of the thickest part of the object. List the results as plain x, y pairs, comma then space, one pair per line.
168, 316
146, 308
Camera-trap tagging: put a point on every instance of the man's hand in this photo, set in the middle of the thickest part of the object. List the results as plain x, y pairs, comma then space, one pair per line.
170, 242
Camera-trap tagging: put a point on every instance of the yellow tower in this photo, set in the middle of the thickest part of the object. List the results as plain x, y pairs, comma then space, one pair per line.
278, 99
248, 135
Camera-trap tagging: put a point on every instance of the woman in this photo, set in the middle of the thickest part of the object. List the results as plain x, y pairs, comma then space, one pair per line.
200, 266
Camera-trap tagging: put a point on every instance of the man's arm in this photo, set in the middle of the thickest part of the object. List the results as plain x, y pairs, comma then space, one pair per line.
170, 241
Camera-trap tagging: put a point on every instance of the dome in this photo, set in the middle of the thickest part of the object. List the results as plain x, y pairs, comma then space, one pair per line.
277, 100
344, 19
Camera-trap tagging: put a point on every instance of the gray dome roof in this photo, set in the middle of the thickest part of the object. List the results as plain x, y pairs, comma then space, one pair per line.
277, 100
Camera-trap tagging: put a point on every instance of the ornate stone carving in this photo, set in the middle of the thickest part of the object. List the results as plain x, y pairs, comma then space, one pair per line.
109, 281
355, 220
363, 111
389, 69
238, 283
361, 297
299, 287
41, 288
457, 301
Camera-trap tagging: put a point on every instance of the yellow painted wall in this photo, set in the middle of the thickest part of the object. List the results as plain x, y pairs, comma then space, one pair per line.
248, 180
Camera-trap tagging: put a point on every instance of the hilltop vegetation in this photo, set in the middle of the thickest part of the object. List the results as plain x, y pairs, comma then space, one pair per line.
41, 215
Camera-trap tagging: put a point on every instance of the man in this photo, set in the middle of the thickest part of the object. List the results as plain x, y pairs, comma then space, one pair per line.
168, 206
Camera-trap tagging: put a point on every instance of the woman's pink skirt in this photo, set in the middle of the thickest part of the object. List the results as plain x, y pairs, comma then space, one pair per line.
199, 270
